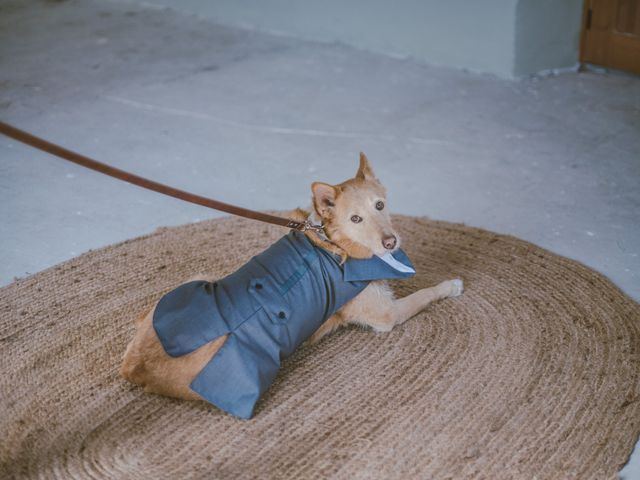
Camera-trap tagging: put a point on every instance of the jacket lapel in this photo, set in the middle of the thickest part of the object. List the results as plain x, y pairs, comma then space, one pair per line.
375, 268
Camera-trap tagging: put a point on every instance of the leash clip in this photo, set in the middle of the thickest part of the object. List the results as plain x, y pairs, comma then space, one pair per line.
305, 226
309, 226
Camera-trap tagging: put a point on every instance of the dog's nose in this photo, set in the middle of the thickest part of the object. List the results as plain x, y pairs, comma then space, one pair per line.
389, 242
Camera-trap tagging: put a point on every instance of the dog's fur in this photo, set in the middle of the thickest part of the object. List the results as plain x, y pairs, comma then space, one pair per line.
146, 363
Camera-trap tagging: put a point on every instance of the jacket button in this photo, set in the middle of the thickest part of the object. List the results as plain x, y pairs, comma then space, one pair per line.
258, 286
282, 315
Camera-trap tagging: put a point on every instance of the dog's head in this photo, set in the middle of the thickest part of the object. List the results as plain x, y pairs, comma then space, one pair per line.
355, 214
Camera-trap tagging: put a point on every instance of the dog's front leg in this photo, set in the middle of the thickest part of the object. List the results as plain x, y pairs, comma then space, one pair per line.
406, 307
377, 307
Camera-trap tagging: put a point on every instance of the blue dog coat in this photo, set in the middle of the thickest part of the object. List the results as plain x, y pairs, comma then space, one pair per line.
267, 308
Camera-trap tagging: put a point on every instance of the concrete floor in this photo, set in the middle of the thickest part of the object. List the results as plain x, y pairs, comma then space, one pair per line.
253, 119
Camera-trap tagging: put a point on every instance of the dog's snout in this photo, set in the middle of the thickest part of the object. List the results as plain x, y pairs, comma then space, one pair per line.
389, 242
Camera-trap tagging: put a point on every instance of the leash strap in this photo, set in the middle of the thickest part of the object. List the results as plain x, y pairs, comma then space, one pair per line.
87, 162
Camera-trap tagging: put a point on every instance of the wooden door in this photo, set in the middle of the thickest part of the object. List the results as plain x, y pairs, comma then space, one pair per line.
611, 34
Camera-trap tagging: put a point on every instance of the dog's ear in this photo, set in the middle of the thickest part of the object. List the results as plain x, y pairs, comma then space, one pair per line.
324, 198
365, 172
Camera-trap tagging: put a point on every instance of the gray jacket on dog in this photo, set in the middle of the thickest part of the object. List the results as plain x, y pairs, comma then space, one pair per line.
267, 308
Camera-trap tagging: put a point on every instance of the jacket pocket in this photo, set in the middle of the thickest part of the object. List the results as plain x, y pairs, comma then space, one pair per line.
268, 294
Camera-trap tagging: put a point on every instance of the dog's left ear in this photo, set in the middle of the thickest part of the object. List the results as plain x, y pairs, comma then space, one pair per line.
365, 172
324, 198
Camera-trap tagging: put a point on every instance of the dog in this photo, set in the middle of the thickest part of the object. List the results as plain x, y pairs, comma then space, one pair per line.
222, 340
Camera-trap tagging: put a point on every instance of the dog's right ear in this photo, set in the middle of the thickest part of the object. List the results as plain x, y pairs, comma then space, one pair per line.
365, 172
324, 198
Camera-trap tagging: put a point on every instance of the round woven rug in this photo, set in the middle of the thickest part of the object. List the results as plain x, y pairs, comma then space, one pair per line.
533, 373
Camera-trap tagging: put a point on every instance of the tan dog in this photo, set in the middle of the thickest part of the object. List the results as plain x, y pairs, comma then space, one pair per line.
357, 225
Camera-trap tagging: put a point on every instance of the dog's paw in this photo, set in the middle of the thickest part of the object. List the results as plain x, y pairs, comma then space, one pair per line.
457, 287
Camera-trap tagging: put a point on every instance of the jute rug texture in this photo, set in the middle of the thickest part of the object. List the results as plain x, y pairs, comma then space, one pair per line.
533, 373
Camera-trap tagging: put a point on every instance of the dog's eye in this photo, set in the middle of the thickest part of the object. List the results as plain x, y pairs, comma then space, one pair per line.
356, 219
379, 205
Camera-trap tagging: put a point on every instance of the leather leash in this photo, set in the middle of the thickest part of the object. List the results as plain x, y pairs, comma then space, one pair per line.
87, 162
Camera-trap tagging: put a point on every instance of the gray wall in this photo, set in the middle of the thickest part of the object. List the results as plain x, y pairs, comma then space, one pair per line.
547, 35
504, 37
